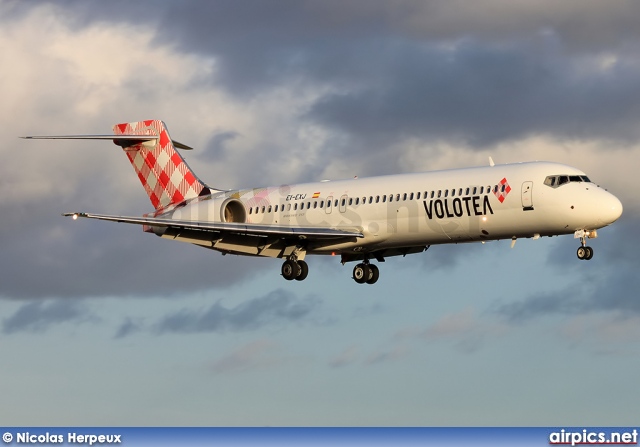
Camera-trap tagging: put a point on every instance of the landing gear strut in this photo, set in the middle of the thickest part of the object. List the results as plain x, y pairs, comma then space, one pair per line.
366, 273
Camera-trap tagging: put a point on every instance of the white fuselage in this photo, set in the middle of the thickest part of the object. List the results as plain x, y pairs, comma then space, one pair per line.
411, 210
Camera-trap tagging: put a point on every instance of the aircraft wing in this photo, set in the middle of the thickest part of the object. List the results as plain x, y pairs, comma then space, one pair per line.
314, 233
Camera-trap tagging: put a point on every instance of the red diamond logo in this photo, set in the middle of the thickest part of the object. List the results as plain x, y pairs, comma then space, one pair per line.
502, 190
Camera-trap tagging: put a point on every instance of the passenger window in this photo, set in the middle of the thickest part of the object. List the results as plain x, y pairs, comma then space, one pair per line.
263, 209
336, 204
466, 192
289, 207
315, 205
397, 197
250, 209
446, 193
357, 201
404, 197
321, 203
460, 192
475, 190
433, 194
482, 190
439, 193
418, 196
344, 201
350, 201
276, 209
377, 199
390, 198
371, 199
453, 193
384, 199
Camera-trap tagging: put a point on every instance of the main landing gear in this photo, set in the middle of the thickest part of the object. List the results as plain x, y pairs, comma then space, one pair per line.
366, 273
293, 269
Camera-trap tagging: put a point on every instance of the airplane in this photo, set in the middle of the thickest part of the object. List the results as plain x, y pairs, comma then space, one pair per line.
359, 219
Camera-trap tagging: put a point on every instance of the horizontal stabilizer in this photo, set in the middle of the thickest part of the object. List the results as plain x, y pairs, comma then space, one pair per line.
120, 140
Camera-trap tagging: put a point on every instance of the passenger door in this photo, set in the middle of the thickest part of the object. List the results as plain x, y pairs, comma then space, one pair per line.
527, 196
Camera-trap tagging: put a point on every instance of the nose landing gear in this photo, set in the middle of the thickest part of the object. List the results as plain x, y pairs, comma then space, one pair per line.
584, 252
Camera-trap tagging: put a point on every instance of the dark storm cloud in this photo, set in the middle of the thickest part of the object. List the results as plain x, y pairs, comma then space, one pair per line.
52, 256
277, 306
128, 327
481, 94
216, 148
616, 293
478, 73
38, 316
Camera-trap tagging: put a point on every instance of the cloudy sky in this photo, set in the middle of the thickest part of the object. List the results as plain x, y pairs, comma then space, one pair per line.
102, 324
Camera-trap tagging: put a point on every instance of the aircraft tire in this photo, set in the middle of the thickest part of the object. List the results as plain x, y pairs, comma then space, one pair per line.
290, 269
304, 271
374, 274
582, 253
589, 253
361, 273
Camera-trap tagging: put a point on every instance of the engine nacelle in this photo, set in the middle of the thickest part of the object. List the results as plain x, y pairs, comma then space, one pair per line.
233, 210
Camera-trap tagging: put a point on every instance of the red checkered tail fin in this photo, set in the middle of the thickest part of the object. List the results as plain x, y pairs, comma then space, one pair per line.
162, 171
165, 175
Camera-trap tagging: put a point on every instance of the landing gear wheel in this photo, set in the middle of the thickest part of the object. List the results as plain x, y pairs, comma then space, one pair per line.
290, 270
361, 273
304, 270
585, 253
374, 274
589, 253
582, 253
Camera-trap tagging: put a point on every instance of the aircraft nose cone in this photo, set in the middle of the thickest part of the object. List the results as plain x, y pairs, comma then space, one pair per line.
613, 210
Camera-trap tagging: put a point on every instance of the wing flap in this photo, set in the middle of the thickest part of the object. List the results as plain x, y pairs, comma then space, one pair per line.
230, 227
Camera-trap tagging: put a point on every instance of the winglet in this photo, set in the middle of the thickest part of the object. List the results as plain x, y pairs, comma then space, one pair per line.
491, 163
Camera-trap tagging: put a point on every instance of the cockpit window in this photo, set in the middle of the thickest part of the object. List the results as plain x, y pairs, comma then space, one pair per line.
555, 181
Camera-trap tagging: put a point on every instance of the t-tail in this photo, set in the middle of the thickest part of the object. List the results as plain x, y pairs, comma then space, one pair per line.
164, 174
